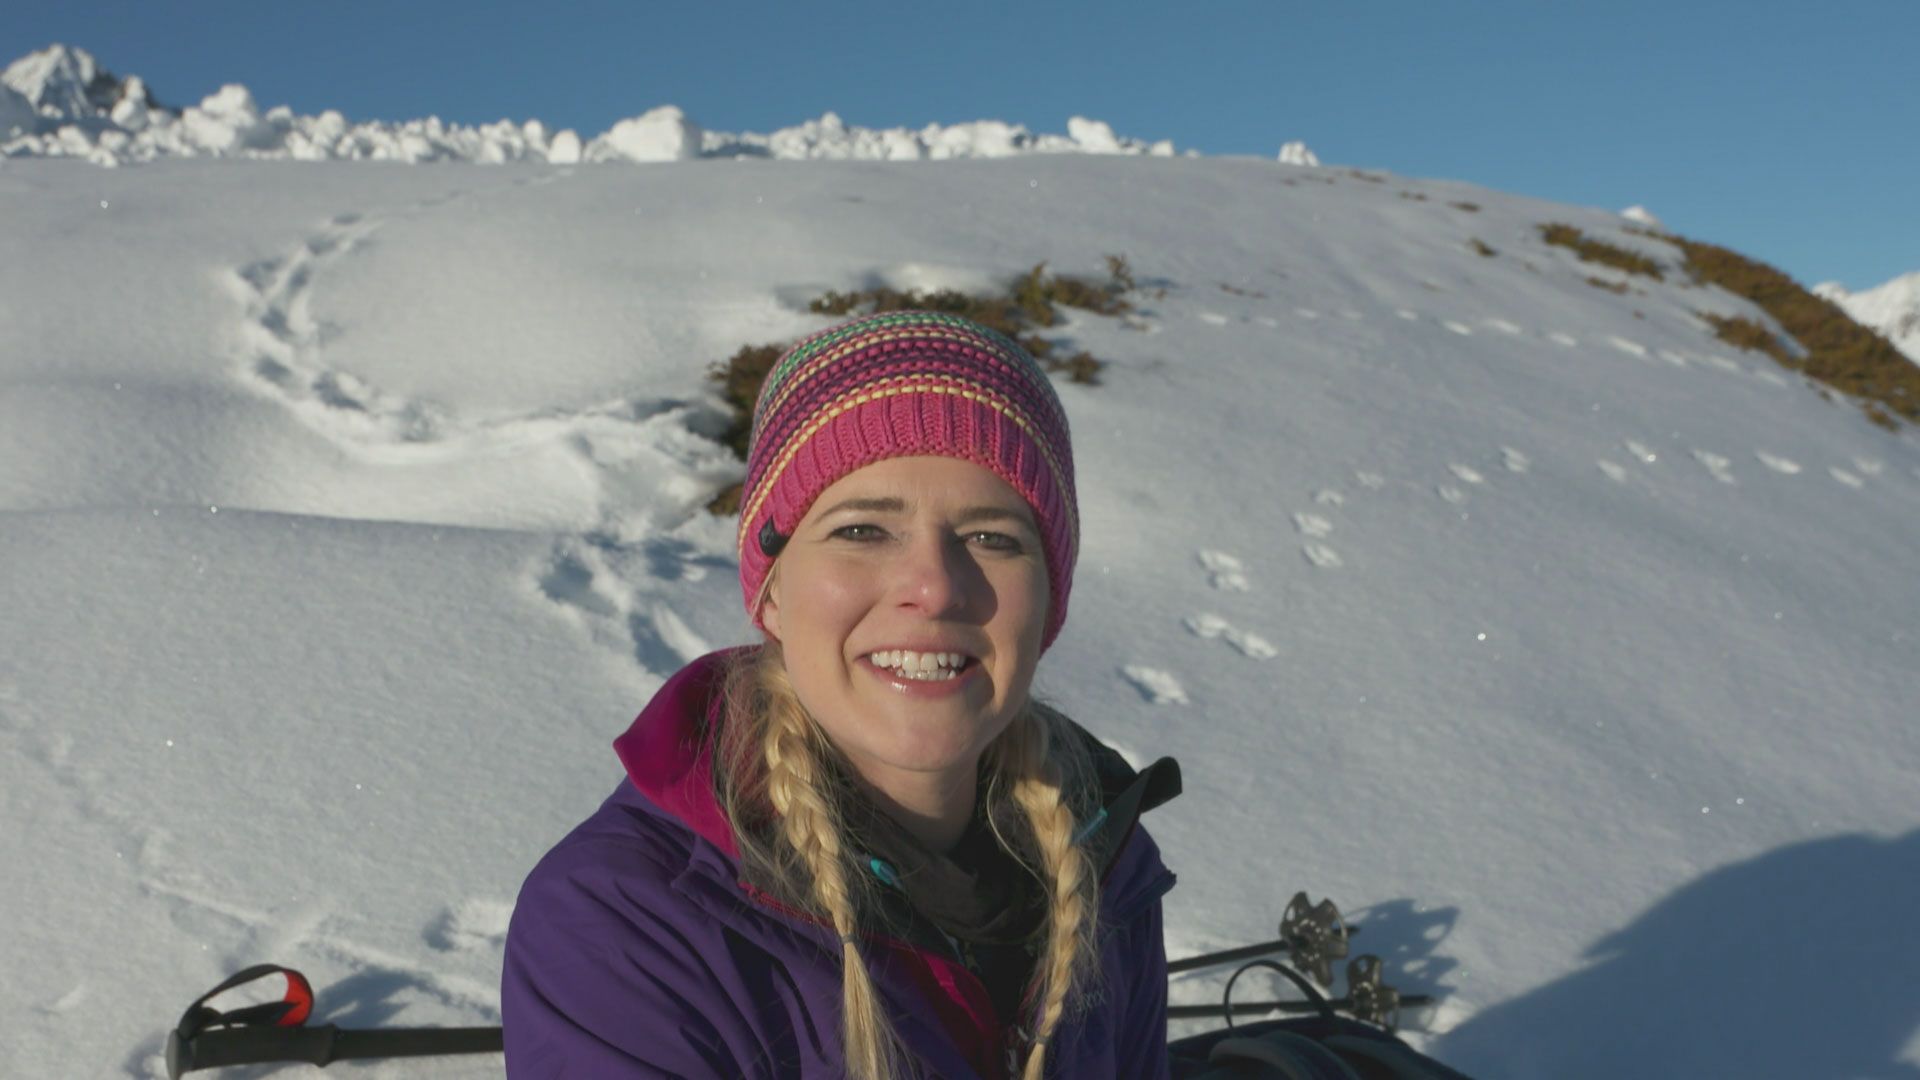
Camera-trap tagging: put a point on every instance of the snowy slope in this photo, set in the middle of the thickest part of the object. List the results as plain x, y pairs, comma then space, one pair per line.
1892, 308
346, 515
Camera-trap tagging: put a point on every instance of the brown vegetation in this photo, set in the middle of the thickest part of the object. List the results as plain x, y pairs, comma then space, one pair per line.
1595, 251
1480, 248
1028, 305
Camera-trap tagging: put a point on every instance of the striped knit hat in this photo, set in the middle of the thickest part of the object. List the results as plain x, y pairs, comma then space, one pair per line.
904, 384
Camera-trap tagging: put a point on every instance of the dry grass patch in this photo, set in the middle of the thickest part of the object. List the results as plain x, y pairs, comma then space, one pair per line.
1619, 287
1839, 352
1030, 304
1481, 249
1595, 251
1471, 208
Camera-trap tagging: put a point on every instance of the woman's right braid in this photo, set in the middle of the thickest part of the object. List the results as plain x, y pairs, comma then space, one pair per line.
810, 827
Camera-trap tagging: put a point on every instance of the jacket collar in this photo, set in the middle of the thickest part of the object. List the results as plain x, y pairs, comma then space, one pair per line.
668, 755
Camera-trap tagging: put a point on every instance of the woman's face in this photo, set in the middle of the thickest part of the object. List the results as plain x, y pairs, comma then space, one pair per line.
909, 605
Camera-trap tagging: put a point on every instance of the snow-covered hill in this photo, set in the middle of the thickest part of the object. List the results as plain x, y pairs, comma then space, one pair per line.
1892, 308
347, 514
78, 109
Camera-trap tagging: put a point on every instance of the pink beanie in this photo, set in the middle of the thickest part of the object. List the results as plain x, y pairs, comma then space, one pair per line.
904, 384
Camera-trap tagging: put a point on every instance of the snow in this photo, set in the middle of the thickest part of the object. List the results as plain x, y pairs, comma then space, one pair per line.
347, 514
1892, 308
86, 113
1640, 215
1296, 153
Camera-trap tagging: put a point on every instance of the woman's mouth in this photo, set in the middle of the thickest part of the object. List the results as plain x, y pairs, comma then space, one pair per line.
911, 666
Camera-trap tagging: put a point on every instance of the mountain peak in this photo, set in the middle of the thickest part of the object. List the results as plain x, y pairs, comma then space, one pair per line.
67, 83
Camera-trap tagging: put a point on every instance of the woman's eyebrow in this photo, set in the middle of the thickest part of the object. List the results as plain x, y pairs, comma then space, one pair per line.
867, 506
996, 513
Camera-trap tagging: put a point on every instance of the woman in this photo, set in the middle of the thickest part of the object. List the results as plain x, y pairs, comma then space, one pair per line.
861, 848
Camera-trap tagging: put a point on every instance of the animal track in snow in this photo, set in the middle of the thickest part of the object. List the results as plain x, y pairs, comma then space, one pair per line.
1614, 472
1451, 494
1466, 473
471, 924
1502, 325
1313, 525
1559, 338
1267, 321
1719, 466
1321, 555
1306, 313
1249, 644
1224, 572
1778, 464
1671, 357
583, 577
1514, 460
1329, 497
1214, 318
1372, 481
1846, 477
1457, 327
1869, 466
1641, 452
1404, 313
1157, 686
1631, 348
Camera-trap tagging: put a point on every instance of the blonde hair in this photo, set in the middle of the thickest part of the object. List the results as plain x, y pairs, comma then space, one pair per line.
787, 819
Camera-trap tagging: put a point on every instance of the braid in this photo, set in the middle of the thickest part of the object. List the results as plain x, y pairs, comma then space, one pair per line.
1033, 762
791, 778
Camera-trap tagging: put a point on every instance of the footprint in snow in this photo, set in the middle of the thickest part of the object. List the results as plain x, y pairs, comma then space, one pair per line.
1716, 464
1514, 460
1457, 327
470, 924
1846, 477
1224, 572
1641, 452
1869, 466
1306, 313
1329, 497
1372, 481
1631, 348
1267, 321
1249, 644
1407, 314
1214, 318
1313, 525
1466, 473
1722, 363
1784, 466
1155, 685
1676, 359
1321, 556
1771, 378
1502, 325
1451, 494
1559, 338
1614, 472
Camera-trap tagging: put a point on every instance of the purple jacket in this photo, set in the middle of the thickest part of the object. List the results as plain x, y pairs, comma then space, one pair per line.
635, 950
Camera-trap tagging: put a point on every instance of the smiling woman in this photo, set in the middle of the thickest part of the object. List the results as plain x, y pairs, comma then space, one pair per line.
861, 847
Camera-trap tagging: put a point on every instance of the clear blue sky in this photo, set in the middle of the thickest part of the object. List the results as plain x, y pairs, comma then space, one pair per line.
1790, 131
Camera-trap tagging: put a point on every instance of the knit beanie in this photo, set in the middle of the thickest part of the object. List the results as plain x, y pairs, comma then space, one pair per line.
905, 384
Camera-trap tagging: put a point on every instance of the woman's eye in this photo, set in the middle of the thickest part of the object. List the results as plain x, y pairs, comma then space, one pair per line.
994, 541
858, 532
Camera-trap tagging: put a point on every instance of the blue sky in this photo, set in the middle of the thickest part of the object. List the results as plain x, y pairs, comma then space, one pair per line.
1785, 130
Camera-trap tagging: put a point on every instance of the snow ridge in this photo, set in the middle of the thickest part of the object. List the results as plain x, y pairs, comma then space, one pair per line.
1892, 308
62, 103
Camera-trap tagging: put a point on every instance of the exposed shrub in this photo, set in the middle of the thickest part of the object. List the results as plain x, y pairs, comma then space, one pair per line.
1369, 177
1611, 286
1840, 352
1029, 304
1481, 248
1238, 291
1595, 251
1471, 208
1414, 195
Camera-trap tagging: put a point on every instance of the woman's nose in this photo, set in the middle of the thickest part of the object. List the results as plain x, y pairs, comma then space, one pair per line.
938, 578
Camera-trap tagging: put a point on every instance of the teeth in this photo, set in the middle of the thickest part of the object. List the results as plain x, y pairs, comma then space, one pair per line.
928, 667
